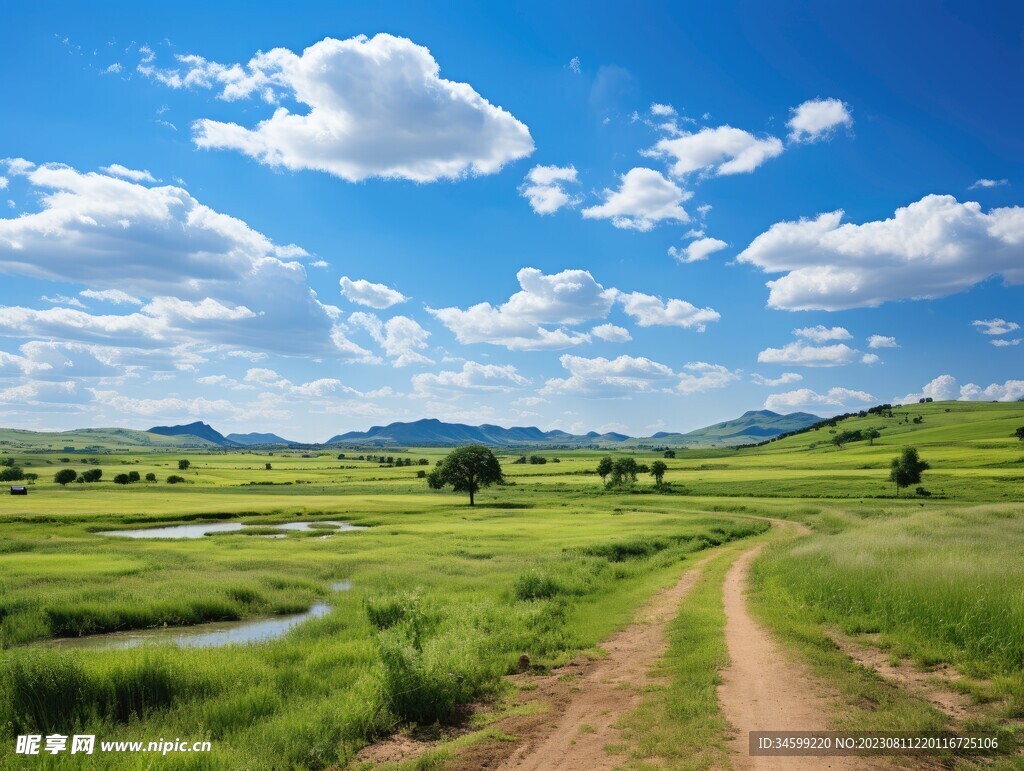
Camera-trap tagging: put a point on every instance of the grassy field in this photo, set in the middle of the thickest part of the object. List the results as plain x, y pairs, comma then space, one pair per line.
445, 597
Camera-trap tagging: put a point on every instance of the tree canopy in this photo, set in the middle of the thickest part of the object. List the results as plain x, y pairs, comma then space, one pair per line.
466, 470
907, 469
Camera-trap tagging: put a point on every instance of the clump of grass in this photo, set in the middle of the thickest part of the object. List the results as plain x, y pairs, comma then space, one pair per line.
638, 548
536, 586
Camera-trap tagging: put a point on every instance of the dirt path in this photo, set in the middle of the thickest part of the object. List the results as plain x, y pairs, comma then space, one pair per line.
604, 692
762, 689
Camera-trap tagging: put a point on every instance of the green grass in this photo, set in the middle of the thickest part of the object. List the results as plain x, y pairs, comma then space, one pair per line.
445, 597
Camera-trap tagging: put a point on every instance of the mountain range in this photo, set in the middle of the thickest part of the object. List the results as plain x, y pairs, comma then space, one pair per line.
751, 427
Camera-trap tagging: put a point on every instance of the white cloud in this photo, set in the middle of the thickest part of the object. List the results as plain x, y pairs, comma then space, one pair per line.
372, 107
544, 188
881, 341
944, 388
574, 65
611, 333
996, 326
697, 250
663, 110
1003, 343
319, 388
115, 296
931, 248
61, 299
786, 378
473, 377
818, 119
363, 292
134, 175
644, 199
823, 334
112, 234
807, 399
400, 337
566, 298
803, 354
984, 183
698, 376
650, 311
626, 375
722, 151
3, 183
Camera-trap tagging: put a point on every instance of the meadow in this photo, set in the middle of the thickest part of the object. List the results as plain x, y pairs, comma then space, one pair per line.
444, 598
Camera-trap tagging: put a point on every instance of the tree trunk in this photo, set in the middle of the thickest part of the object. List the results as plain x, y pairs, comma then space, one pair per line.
470, 496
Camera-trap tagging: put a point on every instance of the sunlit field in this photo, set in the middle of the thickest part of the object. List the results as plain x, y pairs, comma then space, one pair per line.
432, 603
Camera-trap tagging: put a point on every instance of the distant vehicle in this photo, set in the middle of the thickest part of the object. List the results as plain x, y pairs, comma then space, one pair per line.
19, 490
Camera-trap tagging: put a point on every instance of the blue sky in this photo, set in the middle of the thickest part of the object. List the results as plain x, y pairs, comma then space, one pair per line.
563, 217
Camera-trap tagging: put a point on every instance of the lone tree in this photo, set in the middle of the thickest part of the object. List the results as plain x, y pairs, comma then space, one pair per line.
907, 469
670, 453
466, 469
871, 435
64, 476
183, 465
624, 472
604, 467
1019, 433
658, 469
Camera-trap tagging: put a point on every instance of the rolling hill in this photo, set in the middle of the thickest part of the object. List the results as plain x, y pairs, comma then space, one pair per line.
199, 430
97, 440
751, 427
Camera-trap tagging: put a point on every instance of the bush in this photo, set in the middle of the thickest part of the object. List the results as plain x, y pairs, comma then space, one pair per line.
174, 479
639, 548
922, 492
133, 476
121, 479
150, 477
64, 476
92, 475
534, 586
183, 465
12, 474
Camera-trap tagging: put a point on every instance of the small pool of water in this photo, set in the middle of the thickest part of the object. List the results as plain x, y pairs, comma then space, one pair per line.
198, 530
214, 635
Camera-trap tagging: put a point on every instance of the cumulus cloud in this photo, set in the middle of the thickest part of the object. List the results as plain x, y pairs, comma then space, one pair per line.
823, 334
834, 399
611, 333
135, 175
931, 248
786, 378
721, 151
803, 354
818, 119
1004, 343
650, 311
995, 326
110, 233
944, 388
881, 341
626, 375
545, 188
473, 377
400, 337
363, 292
697, 250
644, 199
522, 323
985, 183
371, 107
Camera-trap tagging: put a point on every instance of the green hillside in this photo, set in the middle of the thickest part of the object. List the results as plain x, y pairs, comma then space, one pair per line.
95, 440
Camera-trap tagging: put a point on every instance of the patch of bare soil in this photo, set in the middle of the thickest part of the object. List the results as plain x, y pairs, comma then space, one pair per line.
932, 686
763, 690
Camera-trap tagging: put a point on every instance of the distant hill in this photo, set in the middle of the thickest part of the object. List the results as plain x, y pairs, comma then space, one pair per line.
431, 432
247, 440
197, 429
750, 427
96, 440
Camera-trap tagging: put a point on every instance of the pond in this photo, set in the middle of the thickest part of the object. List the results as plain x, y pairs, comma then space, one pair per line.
198, 530
213, 635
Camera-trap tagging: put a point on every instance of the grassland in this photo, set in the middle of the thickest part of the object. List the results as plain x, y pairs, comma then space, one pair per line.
445, 597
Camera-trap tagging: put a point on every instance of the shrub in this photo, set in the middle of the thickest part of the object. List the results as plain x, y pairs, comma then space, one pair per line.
174, 479
183, 465
64, 476
12, 474
133, 476
121, 479
150, 477
92, 474
534, 586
